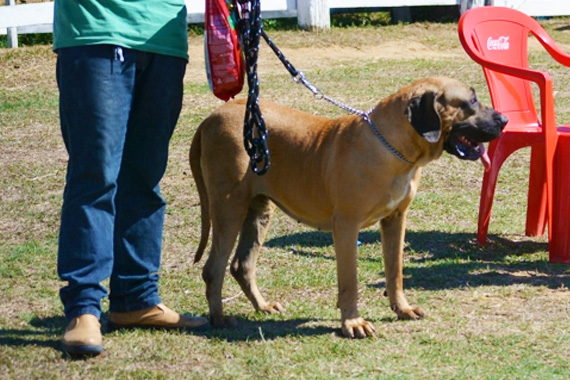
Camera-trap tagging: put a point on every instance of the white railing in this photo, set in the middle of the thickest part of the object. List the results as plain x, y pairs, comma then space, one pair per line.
311, 14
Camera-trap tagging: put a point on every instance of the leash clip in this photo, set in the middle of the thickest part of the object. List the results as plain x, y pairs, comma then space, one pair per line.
301, 78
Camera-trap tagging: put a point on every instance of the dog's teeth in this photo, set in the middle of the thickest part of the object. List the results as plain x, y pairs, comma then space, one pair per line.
465, 141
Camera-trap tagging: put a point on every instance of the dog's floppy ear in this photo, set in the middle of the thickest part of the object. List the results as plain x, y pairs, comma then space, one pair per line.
423, 116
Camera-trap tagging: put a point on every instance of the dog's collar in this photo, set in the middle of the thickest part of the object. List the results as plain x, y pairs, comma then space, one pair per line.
394, 151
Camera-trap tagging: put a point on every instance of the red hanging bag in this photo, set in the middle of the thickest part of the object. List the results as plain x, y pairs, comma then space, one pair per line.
224, 62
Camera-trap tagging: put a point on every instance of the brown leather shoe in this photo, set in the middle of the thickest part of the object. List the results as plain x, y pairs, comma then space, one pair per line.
159, 316
83, 336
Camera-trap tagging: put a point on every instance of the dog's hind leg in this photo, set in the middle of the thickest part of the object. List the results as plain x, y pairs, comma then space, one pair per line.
226, 222
251, 239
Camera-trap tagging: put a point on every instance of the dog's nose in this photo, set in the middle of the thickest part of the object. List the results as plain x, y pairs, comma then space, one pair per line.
502, 120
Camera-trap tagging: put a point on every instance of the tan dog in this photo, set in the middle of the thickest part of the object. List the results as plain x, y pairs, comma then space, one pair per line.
333, 175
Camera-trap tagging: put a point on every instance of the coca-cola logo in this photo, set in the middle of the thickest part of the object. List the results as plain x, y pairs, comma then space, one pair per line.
501, 43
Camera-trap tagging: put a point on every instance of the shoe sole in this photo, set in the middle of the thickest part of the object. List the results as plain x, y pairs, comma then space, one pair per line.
82, 350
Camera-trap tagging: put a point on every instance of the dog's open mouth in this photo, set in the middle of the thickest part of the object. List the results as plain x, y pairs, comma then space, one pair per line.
467, 149
466, 139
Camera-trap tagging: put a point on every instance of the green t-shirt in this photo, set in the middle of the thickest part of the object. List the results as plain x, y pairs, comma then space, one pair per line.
155, 26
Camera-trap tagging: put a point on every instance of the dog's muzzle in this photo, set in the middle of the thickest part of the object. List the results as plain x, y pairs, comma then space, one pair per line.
466, 139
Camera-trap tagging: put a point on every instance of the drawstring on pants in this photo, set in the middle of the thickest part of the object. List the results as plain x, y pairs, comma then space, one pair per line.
119, 54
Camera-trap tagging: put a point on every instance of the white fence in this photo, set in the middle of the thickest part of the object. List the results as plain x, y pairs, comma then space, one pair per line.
38, 17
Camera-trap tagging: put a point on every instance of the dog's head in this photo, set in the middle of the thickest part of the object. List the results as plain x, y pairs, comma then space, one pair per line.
447, 111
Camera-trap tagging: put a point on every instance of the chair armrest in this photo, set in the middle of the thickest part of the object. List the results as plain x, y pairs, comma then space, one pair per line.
552, 48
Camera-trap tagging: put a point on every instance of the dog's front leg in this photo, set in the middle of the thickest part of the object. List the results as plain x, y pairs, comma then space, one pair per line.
393, 232
345, 236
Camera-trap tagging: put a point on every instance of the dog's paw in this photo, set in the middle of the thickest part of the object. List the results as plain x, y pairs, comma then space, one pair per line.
223, 322
410, 313
272, 308
357, 328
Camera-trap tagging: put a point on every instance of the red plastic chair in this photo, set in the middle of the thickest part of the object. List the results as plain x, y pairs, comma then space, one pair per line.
496, 38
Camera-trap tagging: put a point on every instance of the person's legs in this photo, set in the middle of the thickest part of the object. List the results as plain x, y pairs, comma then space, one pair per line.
95, 98
139, 206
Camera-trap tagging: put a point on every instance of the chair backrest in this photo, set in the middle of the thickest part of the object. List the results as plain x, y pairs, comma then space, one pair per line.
501, 35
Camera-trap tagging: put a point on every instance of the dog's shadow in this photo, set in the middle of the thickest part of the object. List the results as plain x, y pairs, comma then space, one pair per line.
248, 330
441, 260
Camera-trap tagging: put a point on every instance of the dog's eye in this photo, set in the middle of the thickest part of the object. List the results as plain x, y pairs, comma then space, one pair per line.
471, 104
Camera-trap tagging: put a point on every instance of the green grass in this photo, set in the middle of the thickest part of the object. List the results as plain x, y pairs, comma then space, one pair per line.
494, 312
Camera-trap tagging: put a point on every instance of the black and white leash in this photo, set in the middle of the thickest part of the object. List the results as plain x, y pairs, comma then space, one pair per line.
254, 131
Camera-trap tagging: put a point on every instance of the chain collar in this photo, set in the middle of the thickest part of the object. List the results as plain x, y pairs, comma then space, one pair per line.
388, 146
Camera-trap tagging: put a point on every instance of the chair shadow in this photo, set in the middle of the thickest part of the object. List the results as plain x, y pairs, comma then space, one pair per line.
442, 264
440, 259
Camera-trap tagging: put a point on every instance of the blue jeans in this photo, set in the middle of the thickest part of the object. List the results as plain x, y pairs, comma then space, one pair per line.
118, 110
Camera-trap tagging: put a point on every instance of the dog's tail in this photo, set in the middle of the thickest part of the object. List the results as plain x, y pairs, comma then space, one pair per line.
195, 166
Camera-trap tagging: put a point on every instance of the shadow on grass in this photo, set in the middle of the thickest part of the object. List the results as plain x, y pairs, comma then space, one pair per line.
448, 261
563, 28
46, 332
249, 330
440, 260
435, 261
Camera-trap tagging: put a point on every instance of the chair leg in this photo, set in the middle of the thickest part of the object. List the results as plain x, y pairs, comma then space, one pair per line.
487, 195
537, 206
559, 244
